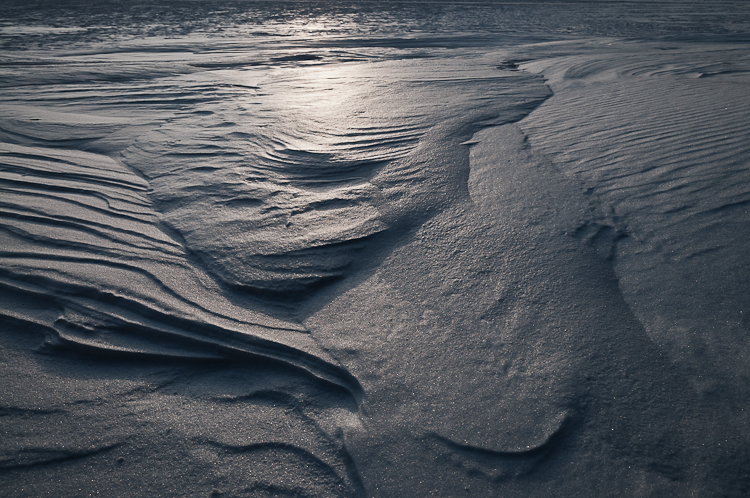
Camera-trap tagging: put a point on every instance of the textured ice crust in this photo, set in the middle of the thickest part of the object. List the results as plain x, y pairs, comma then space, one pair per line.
275, 194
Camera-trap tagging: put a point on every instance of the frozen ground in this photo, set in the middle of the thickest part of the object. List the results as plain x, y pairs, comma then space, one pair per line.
374, 249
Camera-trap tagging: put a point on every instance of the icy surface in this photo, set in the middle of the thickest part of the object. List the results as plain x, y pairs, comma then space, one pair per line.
374, 249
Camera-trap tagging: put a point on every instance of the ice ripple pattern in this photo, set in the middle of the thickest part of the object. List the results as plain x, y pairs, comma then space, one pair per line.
272, 188
81, 243
658, 136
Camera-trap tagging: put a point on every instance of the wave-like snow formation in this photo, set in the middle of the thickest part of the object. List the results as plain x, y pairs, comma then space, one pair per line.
270, 186
658, 135
245, 192
81, 242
